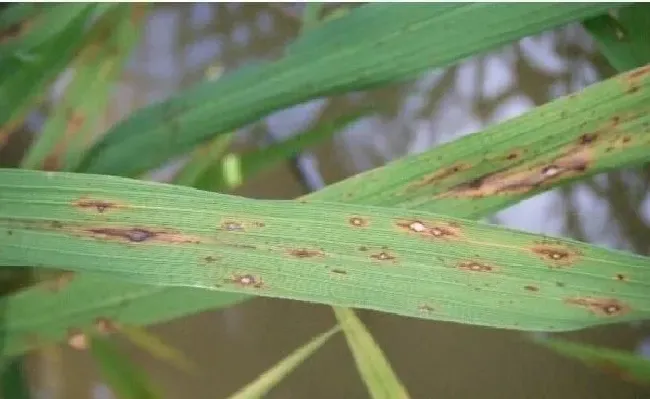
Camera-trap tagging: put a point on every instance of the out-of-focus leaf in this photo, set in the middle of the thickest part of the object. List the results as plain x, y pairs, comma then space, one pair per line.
13, 381
412, 263
624, 365
73, 120
156, 347
203, 157
270, 378
311, 15
22, 82
371, 45
379, 377
625, 41
250, 163
126, 380
606, 125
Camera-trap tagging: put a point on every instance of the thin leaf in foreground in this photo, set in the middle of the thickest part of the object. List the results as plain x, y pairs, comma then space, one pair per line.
377, 374
270, 378
411, 263
624, 365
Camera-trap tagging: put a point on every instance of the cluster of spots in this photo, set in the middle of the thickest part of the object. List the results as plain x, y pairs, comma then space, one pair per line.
246, 280
306, 253
633, 79
474, 266
383, 256
444, 230
556, 255
234, 225
139, 235
358, 221
604, 307
439, 175
100, 206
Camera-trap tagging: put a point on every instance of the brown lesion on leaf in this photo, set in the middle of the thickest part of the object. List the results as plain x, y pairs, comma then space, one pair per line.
363, 248
61, 281
306, 253
210, 259
555, 254
246, 280
620, 277
233, 224
604, 307
105, 326
425, 308
475, 266
141, 235
574, 162
434, 229
77, 339
357, 221
97, 205
633, 79
383, 256
339, 271
531, 288
439, 175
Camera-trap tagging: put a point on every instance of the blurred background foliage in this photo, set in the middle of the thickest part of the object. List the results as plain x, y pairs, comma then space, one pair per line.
135, 55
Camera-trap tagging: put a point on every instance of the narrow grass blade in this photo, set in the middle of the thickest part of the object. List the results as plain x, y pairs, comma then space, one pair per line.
609, 120
156, 347
73, 120
13, 380
270, 378
625, 41
250, 163
371, 45
23, 81
405, 262
624, 365
378, 375
124, 378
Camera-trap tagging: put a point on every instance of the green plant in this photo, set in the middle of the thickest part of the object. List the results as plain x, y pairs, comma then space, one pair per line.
402, 238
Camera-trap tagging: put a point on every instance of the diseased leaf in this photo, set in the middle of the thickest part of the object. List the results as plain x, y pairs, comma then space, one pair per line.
609, 120
323, 252
270, 378
371, 45
624, 365
625, 40
378, 375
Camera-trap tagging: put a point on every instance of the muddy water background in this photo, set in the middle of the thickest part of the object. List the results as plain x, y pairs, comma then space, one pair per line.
434, 360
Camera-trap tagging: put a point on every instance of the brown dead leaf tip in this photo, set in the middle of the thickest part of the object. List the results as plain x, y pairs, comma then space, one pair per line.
382, 256
531, 288
99, 205
305, 253
474, 266
605, 307
247, 280
77, 339
232, 226
358, 222
559, 256
105, 326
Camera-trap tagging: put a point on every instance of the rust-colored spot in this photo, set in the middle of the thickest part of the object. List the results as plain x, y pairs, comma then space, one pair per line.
424, 308
639, 72
96, 204
382, 256
605, 307
306, 253
210, 259
105, 325
443, 230
474, 266
531, 288
358, 222
60, 282
230, 225
246, 280
77, 339
557, 255
621, 277
140, 235
440, 175
339, 271
512, 156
